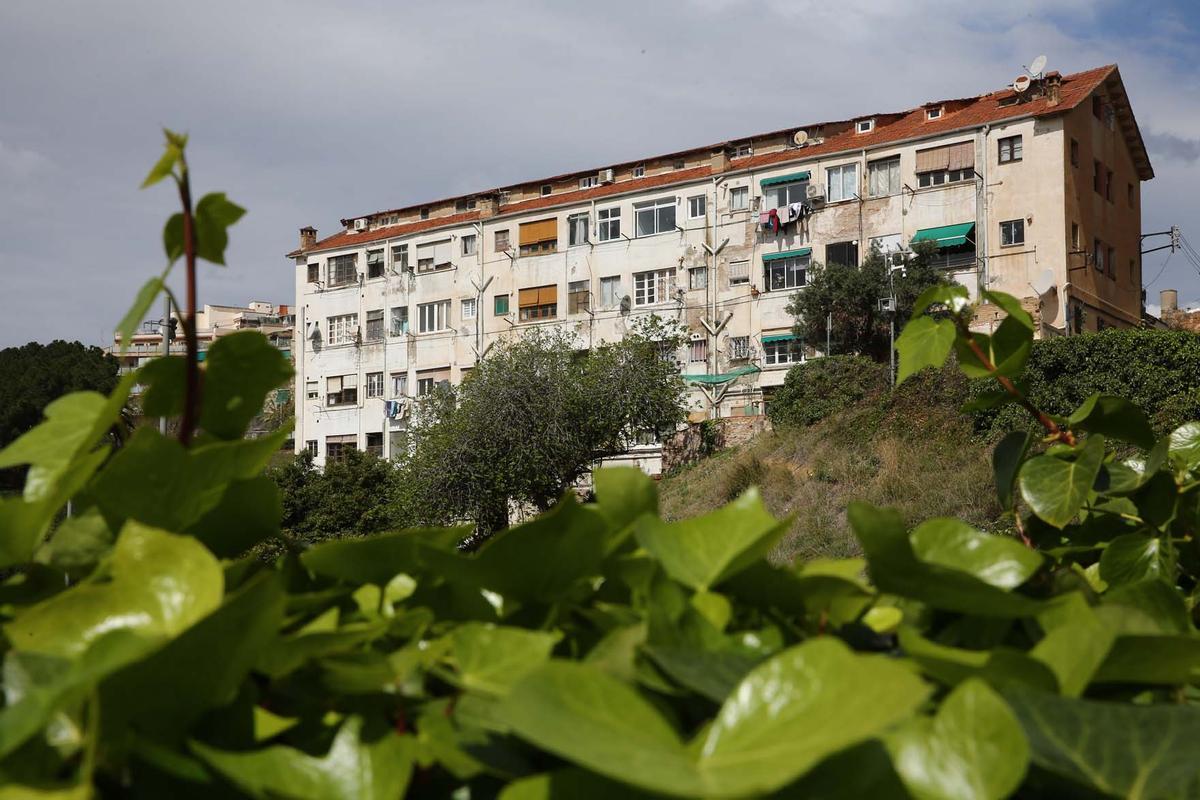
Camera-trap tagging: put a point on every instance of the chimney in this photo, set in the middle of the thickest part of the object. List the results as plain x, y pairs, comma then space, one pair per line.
720, 160
1053, 87
1168, 299
308, 237
488, 205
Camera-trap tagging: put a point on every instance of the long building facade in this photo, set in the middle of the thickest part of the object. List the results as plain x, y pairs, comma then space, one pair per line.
1032, 190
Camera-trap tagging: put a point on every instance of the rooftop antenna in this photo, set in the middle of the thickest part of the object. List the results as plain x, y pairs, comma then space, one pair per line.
1036, 68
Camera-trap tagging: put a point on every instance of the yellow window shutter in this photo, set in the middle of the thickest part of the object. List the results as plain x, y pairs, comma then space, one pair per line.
935, 158
544, 230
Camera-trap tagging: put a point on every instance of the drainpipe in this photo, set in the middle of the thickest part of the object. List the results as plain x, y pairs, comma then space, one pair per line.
981, 231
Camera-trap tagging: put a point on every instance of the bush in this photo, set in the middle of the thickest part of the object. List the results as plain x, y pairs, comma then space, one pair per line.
1155, 369
819, 388
353, 496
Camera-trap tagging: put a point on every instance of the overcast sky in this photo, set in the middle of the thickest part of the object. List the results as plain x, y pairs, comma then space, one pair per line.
308, 112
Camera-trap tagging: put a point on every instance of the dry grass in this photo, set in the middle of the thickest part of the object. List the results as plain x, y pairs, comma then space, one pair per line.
919, 458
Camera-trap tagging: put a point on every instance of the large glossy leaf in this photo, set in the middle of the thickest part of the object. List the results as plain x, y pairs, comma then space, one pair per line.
1075, 644
1184, 445
996, 560
953, 665
786, 716
1117, 749
697, 655
576, 784
1115, 417
971, 749
623, 494
1056, 488
240, 369
896, 569
213, 214
1134, 557
156, 584
146, 296
951, 295
1006, 462
352, 769
491, 658
377, 559
247, 513
700, 552
925, 342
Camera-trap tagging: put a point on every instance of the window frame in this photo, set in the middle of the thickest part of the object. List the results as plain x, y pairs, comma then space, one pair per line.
373, 385
794, 272
468, 308
872, 169
505, 235
577, 223
373, 329
399, 382
697, 278
782, 193
541, 311
1009, 234
698, 351
438, 311
848, 243
314, 272
782, 353
639, 171
612, 282
657, 209
400, 256
575, 303
739, 279
1016, 149
864, 125
342, 270
498, 301
742, 192
399, 314
346, 396
948, 177
653, 282
589, 181
339, 329
470, 244
841, 169
608, 223
703, 198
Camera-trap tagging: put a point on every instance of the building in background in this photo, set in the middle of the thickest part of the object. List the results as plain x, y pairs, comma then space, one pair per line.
1032, 190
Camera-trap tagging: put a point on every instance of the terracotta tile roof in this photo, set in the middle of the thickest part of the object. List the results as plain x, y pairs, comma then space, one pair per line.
963, 114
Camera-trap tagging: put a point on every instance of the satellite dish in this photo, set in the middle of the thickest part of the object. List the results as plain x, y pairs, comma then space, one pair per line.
1037, 66
1021, 84
800, 137
1044, 282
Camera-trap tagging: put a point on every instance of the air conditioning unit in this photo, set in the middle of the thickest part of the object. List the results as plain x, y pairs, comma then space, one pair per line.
815, 193
605, 176
360, 224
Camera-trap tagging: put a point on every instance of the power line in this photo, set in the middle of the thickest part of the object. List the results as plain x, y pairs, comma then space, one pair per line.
1160, 272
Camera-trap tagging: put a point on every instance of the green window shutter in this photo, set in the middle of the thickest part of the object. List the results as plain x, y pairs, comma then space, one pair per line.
501, 305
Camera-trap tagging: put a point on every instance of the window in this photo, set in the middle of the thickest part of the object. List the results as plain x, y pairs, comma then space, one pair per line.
577, 297
375, 324
739, 347
1074, 153
696, 206
608, 224
500, 305
743, 150
336, 447
588, 182
655, 286
1129, 194
468, 308
399, 320
433, 256
1010, 149
424, 386
610, 292
374, 384
342, 270
375, 263
1112, 263
1108, 183
539, 237
656, 216
1012, 232
468, 244
375, 443
947, 164
1098, 255
1097, 177
1133, 270
889, 245
502, 242
883, 177
433, 316
739, 198
785, 273
400, 257
677, 164
739, 273
577, 229
341, 390
1075, 236
785, 194
311, 392
311, 446
842, 253
639, 171
1097, 106
698, 351
780, 351
342, 329
430, 379
698, 278
464, 204
539, 302
842, 183
933, 113
314, 272
865, 125
546, 189
399, 384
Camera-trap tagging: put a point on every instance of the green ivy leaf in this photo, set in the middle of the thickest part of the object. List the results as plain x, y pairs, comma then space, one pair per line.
1075, 644
925, 342
214, 214
701, 552
164, 382
1006, 463
953, 665
1115, 417
576, 784
952, 295
1056, 488
1184, 447
351, 770
1011, 306
1133, 557
1007, 349
172, 236
995, 560
146, 296
971, 749
170, 157
491, 658
247, 513
623, 494
240, 370
1117, 749
156, 584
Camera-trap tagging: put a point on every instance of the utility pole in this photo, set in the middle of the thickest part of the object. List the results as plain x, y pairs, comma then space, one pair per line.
167, 331
829, 334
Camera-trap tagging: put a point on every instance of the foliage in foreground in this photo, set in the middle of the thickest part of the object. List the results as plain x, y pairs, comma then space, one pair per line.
596, 651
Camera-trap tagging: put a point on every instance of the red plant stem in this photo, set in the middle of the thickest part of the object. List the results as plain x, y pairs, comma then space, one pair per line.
191, 402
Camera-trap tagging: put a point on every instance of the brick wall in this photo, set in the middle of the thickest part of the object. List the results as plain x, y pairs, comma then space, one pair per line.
688, 445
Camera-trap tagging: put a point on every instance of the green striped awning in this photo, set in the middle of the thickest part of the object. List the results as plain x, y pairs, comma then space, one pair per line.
777, 337
724, 377
947, 235
791, 177
803, 251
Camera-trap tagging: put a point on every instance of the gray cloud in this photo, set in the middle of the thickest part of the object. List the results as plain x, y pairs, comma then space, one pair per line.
1173, 148
306, 112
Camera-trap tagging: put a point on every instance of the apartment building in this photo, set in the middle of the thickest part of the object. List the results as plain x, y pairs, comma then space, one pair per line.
1032, 190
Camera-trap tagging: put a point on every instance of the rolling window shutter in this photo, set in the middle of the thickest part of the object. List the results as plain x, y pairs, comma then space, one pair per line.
961, 155
936, 158
547, 295
425, 251
333, 385
441, 252
528, 297
544, 230
350, 381
375, 257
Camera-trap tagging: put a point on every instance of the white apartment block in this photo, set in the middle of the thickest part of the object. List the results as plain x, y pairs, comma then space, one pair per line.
1034, 191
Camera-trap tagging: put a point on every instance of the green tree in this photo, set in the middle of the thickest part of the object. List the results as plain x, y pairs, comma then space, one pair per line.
533, 418
852, 297
354, 495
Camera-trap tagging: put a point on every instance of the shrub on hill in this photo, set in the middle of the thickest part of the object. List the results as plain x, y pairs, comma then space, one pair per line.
822, 387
